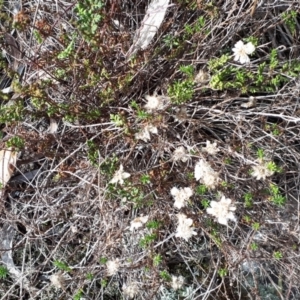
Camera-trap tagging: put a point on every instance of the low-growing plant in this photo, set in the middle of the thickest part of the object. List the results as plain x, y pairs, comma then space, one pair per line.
3, 272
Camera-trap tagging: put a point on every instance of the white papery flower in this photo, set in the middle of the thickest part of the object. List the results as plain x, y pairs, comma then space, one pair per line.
112, 267
222, 210
58, 280
261, 171
180, 154
138, 222
241, 51
211, 148
145, 133
120, 175
130, 290
184, 229
181, 196
177, 282
155, 102
206, 174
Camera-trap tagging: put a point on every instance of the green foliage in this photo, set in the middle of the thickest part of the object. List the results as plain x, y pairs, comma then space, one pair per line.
89, 16
201, 189
248, 197
260, 153
205, 203
171, 41
147, 240
290, 19
157, 259
117, 120
181, 91
145, 179
222, 272
93, 153
153, 224
62, 266
66, 53
141, 114
89, 276
103, 260
275, 195
108, 167
165, 275
78, 295
191, 29
254, 246
263, 79
187, 70
217, 63
277, 255
273, 59
15, 142
255, 226
11, 113
3, 272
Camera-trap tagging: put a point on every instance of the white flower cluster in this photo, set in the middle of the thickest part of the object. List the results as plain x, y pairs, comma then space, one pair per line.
138, 222
181, 196
241, 51
261, 171
184, 228
145, 133
130, 289
206, 174
112, 267
177, 282
58, 280
210, 148
180, 154
222, 210
119, 176
155, 103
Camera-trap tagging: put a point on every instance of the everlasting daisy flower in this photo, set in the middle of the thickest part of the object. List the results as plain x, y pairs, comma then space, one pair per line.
177, 282
184, 229
206, 174
145, 133
261, 171
180, 154
211, 148
130, 290
155, 102
138, 222
241, 51
181, 196
112, 267
119, 176
58, 280
222, 210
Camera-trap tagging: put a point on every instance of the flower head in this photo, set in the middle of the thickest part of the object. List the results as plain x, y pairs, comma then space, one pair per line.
211, 148
177, 282
119, 176
155, 102
58, 280
138, 222
184, 229
241, 51
261, 171
181, 196
222, 210
180, 154
112, 267
206, 174
145, 133
131, 289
